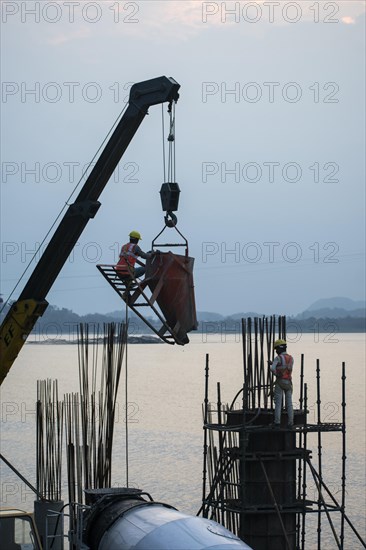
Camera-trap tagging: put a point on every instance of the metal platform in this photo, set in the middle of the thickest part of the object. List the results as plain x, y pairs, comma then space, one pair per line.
130, 290
298, 428
167, 289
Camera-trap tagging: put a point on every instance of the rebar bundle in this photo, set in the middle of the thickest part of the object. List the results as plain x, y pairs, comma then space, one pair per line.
90, 414
221, 454
49, 431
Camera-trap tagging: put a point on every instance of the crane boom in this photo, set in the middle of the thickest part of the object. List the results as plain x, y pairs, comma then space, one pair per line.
23, 314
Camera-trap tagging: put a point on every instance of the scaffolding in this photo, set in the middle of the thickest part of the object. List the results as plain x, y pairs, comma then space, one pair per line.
256, 475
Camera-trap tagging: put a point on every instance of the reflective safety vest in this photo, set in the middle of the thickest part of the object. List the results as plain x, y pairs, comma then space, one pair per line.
127, 257
286, 361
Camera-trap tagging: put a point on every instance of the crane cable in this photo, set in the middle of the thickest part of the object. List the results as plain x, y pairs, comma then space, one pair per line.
67, 203
171, 140
169, 166
163, 134
126, 393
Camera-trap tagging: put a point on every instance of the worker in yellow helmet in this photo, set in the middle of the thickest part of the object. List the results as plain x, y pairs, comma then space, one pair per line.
128, 257
282, 369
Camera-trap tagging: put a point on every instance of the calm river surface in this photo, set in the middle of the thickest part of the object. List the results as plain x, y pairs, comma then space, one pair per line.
165, 393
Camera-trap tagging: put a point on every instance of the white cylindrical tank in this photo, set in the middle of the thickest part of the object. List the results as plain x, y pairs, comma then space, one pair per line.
154, 526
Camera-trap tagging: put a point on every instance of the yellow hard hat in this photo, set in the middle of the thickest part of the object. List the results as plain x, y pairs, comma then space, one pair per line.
135, 235
279, 343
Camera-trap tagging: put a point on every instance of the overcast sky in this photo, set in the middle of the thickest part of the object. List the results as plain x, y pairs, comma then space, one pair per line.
269, 141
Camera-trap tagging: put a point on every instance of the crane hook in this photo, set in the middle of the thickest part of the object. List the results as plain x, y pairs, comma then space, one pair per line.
170, 219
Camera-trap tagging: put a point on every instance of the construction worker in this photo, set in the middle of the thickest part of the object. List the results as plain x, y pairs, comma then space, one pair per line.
282, 369
128, 257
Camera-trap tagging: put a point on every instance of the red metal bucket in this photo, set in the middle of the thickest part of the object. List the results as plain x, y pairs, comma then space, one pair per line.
170, 279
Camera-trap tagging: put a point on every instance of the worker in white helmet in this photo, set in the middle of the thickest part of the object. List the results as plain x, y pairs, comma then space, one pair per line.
282, 369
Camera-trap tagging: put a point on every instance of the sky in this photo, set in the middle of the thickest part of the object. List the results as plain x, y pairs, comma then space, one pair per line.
270, 144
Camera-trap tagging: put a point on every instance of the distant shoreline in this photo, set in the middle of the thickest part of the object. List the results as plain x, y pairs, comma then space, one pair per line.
62, 341
330, 333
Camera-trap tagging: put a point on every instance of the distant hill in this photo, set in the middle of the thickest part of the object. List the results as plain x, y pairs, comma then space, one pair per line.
346, 315
335, 308
337, 303
209, 316
338, 314
238, 316
64, 321
333, 313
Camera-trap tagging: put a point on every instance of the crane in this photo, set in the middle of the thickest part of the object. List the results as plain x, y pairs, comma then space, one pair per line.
31, 304
112, 517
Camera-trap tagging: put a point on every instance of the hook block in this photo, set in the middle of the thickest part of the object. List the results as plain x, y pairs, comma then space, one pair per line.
169, 194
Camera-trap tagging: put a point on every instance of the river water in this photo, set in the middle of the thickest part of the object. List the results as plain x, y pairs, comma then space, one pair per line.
165, 395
